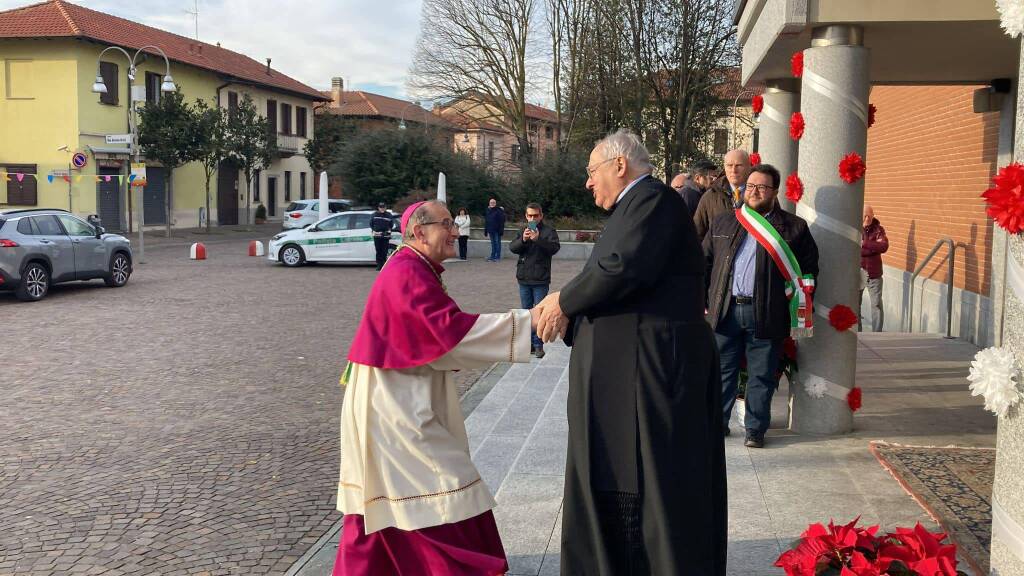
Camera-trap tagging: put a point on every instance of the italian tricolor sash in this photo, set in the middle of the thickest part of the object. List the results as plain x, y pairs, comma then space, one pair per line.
799, 286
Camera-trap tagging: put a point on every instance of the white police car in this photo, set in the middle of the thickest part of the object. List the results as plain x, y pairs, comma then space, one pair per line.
344, 237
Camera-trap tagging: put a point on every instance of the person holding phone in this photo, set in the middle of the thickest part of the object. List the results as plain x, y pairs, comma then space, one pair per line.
535, 246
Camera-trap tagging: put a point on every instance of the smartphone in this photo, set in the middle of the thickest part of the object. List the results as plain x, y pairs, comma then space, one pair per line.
532, 226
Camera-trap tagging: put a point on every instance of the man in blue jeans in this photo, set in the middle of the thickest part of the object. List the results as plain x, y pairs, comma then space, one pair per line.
494, 227
748, 307
535, 246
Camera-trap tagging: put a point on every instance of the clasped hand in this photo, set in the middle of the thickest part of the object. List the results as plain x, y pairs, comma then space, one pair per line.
547, 319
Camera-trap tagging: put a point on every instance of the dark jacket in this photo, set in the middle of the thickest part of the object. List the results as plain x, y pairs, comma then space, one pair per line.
644, 380
691, 194
494, 221
715, 202
534, 266
874, 244
381, 224
771, 306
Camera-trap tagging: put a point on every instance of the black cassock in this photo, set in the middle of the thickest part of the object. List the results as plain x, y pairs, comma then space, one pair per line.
645, 487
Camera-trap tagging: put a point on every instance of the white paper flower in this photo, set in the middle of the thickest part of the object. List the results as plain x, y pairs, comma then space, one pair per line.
994, 376
815, 386
1011, 16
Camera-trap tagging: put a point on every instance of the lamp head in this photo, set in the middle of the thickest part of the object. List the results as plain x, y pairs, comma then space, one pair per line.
401, 125
98, 86
168, 84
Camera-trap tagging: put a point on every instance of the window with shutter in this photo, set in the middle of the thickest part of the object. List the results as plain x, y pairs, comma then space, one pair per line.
153, 81
108, 71
286, 118
232, 102
302, 185
287, 186
300, 121
21, 193
272, 115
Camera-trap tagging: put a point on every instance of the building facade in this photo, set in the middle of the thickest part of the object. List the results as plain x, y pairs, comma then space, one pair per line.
49, 117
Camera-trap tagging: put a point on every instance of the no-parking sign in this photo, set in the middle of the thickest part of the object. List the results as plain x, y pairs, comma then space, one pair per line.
79, 160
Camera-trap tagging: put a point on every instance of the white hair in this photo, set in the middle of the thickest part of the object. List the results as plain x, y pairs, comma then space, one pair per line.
624, 143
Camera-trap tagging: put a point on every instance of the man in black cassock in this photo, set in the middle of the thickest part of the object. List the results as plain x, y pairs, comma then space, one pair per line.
645, 488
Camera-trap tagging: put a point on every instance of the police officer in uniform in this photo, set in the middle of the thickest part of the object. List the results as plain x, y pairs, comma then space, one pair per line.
381, 226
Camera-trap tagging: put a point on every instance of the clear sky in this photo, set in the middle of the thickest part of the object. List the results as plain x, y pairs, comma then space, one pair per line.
368, 42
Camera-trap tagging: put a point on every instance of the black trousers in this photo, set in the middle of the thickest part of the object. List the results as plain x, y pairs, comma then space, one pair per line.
463, 246
381, 244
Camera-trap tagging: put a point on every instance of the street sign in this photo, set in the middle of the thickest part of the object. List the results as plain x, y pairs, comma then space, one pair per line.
60, 172
118, 138
139, 173
79, 160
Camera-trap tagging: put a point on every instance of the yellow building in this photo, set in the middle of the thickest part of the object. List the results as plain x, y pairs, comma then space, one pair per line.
50, 117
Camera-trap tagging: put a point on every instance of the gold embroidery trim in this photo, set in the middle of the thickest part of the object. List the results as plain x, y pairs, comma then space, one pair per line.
512, 343
404, 498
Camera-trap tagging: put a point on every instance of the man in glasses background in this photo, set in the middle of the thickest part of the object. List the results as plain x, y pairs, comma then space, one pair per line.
747, 303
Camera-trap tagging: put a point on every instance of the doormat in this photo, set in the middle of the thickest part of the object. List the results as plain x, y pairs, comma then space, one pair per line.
954, 486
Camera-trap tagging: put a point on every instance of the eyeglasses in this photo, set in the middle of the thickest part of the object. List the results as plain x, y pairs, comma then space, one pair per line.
592, 169
759, 188
446, 223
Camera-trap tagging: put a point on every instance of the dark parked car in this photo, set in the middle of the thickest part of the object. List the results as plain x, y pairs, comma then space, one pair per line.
42, 247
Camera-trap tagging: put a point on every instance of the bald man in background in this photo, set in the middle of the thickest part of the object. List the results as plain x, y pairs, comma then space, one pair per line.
726, 197
874, 243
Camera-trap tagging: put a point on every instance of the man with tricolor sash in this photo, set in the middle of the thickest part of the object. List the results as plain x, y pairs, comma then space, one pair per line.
762, 262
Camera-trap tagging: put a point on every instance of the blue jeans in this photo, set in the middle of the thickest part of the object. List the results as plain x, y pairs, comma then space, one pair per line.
735, 337
530, 296
495, 246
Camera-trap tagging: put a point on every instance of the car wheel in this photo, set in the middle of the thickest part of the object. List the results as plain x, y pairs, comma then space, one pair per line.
35, 283
120, 270
292, 255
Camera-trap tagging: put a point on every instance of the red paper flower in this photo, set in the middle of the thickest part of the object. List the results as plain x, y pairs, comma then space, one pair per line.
1006, 198
755, 158
852, 168
796, 64
853, 399
871, 115
794, 188
796, 125
757, 103
842, 318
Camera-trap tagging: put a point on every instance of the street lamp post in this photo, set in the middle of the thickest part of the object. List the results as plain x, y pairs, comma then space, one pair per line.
99, 87
735, 103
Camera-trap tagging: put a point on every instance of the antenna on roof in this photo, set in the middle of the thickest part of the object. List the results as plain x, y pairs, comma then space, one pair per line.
195, 15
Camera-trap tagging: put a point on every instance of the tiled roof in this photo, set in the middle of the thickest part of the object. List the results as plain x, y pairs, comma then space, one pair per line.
469, 123
730, 87
541, 113
61, 19
359, 103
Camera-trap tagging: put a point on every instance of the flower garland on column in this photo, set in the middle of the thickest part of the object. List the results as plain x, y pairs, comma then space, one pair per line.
852, 168
794, 188
1005, 198
1011, 16
755, 158
796, 126
994, 376
796, 64
757, 103
871, 115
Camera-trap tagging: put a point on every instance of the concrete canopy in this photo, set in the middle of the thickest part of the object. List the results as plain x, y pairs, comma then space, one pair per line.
911, 41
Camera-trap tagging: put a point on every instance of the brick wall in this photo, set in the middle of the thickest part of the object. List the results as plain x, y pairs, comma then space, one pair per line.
929, 158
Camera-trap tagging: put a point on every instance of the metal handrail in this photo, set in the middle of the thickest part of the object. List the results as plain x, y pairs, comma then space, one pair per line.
949, 284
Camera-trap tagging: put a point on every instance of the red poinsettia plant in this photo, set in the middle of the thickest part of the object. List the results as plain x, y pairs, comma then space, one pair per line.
1005, 198
755, 158
796, 126
757, 103
794, 188
849, 550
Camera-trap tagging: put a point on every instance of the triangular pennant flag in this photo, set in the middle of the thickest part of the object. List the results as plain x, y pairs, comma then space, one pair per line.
49, 178
98, 178
67, 179
7, 177
78, 177
120, 178
107, 178
20, 176
131, 178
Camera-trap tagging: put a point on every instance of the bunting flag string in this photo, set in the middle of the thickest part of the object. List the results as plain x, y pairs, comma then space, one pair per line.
20, 177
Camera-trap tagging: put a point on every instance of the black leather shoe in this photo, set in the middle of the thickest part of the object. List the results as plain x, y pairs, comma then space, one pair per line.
538, 351
754, 441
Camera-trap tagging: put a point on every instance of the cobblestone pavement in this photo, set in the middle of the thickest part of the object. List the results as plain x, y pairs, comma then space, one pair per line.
188, 422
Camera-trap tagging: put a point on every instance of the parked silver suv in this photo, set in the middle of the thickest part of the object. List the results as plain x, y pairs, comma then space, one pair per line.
41, 247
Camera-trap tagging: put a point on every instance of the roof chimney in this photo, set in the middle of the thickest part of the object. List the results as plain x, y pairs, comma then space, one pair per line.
337, 90
268, 66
